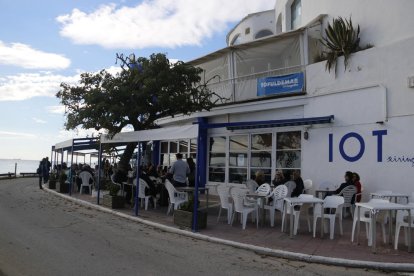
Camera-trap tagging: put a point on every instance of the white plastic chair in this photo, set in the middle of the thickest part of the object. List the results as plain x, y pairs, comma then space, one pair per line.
252, 185
291, 185
348, 193
402, 220
121, 191
330, 202
238, 196
225, 202
141, 193
278, 194
176, 198
365, 216
307, 184
85, 177
296, 214
263, 189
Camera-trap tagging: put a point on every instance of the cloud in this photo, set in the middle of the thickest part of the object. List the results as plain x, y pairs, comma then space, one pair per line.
38, 121
156, 23
10, 134
28, 85
56, 109
25, 86
24, 56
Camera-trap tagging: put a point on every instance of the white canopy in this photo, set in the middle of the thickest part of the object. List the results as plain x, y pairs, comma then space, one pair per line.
64, 144
166, 133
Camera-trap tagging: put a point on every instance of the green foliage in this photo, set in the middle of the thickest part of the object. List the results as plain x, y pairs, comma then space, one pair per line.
62, 177
52, 177
145, 90
113, 189
189, 205
342, 39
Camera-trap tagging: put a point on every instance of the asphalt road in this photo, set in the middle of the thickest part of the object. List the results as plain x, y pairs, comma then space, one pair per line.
41, 234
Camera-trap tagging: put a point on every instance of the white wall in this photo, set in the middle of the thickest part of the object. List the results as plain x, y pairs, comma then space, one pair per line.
388, 66
382, 22
375, 175
256, 22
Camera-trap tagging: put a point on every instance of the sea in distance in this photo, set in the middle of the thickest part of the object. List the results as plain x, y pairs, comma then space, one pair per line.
7, 165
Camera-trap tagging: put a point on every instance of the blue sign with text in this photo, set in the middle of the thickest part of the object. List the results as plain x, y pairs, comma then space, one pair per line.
281, 84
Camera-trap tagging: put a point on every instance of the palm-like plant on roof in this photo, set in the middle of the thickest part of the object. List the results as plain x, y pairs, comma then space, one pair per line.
342, 39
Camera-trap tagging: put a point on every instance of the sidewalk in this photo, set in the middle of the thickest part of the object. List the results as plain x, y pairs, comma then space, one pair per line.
272, 238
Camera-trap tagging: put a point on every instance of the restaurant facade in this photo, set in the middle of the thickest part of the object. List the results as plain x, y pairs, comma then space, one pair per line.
285, 111
282, 110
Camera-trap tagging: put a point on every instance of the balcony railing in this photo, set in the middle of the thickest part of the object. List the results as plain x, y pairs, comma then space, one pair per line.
245, 88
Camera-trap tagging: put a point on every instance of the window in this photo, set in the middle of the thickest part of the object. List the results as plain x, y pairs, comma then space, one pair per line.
168, 149
261, 155
238, 159
247, 31
217, 159
295, 14
263, 33
288, 152
236, 40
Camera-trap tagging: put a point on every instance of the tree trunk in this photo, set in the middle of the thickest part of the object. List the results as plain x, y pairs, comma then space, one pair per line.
123, 165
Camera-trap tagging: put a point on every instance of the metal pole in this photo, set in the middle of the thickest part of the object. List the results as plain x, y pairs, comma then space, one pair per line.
70, 172
99, 171
15, 170
137, 178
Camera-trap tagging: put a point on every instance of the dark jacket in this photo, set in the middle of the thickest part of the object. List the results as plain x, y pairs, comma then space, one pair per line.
299, 187
343, 186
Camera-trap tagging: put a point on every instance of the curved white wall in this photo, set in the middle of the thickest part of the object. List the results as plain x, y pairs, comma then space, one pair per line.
256, 22
381, 21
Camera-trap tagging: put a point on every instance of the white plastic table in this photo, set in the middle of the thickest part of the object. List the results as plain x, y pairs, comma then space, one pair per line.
291, 202
262, 199
376, 207
391, 195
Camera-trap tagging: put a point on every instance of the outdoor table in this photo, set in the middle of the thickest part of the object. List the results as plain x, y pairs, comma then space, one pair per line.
393, 195
192, 190
293, 201
321, 193
374, 208
261, 198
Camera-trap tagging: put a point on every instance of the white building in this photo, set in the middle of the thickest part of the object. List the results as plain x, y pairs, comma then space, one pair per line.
372, 101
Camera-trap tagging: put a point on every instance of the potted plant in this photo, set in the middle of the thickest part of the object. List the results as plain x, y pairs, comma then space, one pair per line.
52, 181
183, 216
62, 186
113, 200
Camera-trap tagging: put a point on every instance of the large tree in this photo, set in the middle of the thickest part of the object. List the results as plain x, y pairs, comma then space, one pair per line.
146, 89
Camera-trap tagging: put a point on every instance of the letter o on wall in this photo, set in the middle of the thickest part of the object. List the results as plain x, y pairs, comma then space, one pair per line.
361, 150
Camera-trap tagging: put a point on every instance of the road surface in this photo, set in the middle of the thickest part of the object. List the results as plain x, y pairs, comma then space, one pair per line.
41, 234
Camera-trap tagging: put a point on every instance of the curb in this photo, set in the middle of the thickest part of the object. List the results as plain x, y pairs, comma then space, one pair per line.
400, 267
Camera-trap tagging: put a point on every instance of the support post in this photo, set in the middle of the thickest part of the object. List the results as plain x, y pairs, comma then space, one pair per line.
99, 171
138, 170
200, 168
70, 171
156, 153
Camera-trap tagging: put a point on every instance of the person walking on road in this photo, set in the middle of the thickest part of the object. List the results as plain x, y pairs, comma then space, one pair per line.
43, 172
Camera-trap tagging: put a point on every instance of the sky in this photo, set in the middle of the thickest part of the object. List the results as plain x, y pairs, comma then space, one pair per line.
44, 43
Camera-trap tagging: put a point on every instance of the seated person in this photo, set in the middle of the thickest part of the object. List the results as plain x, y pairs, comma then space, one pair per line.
356, 179
260, 178
299, 184
348, 182
279, 179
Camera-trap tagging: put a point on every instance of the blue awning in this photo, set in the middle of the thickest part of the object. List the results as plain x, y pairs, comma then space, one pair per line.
274, 123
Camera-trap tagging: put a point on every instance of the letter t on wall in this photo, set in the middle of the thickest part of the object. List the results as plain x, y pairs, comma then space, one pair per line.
379, 134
